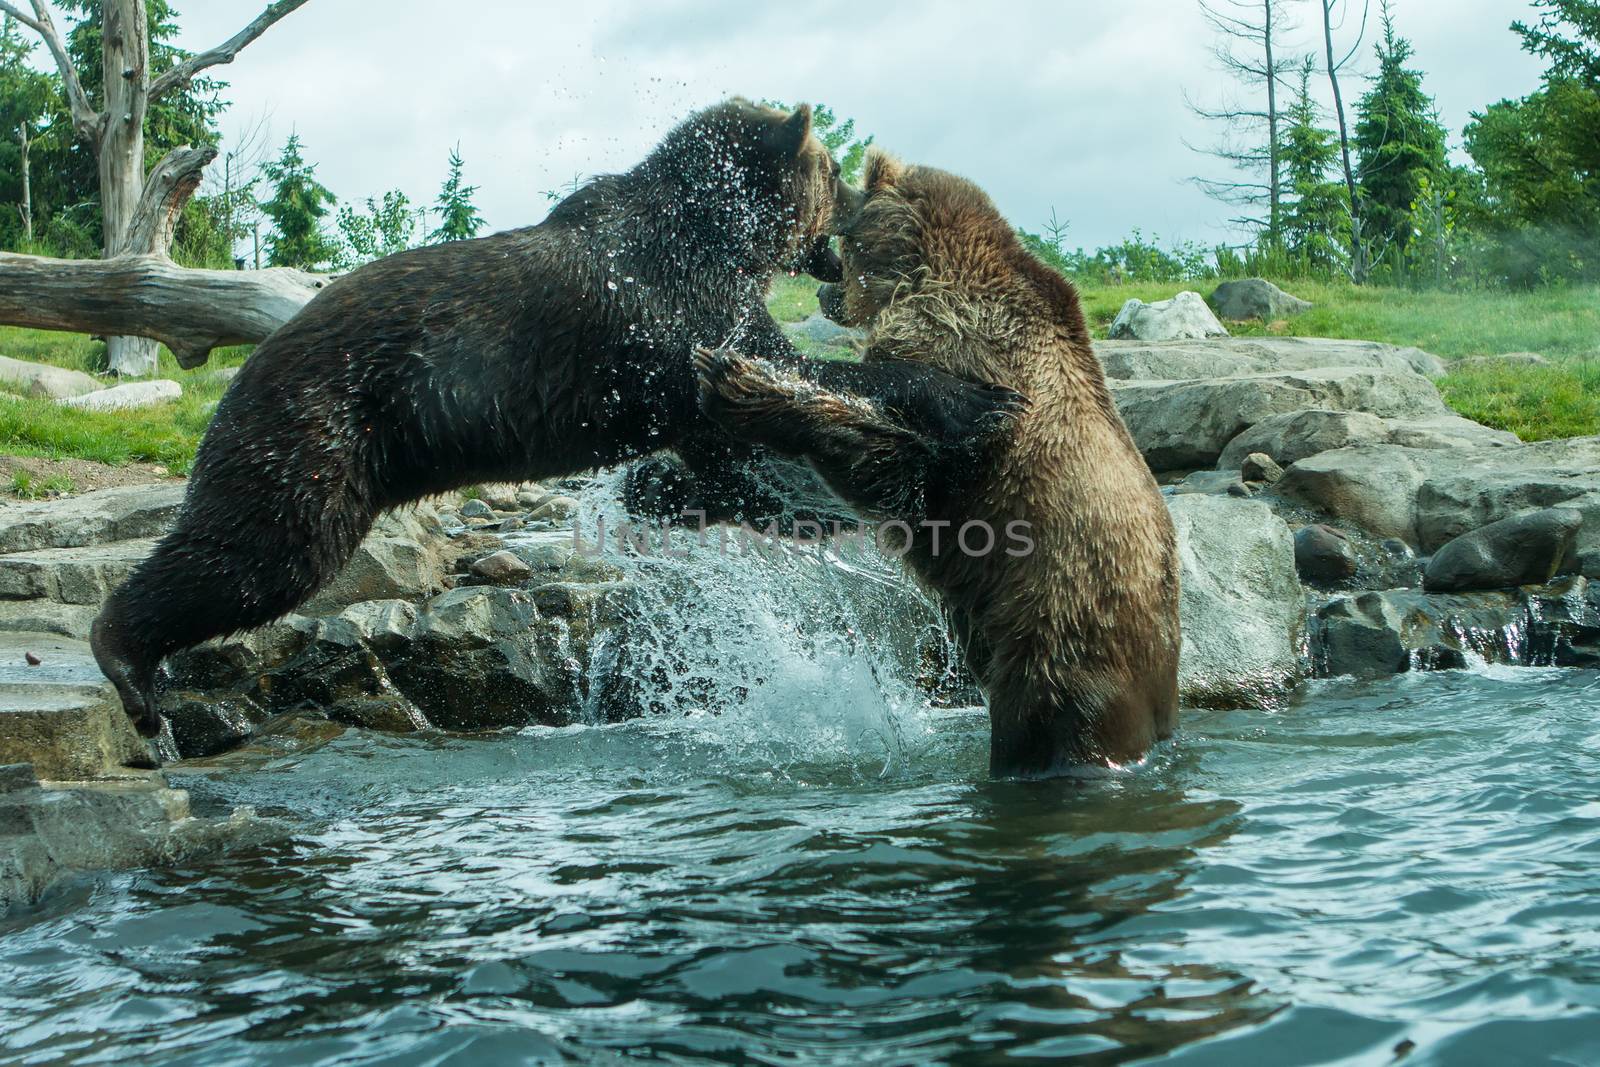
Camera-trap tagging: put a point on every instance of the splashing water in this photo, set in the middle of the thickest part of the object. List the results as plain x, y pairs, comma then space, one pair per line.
781, 653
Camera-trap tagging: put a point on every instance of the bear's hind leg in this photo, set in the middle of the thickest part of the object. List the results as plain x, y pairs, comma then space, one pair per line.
221, 570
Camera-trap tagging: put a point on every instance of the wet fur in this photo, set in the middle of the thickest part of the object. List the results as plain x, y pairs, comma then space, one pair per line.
1076, 644
529, 354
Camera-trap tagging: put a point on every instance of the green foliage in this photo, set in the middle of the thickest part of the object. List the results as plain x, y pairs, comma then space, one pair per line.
837, 136
1134, 259
1568, 35
458, 216
1539, 202
66, 184
1535, 403
1399, 144
1316, 214
384, 229
299, 204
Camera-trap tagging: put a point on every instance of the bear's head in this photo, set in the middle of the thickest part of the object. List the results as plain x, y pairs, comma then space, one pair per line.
919, 230
761, 179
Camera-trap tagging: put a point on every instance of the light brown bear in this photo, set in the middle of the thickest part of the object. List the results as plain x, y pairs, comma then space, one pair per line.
1076, 641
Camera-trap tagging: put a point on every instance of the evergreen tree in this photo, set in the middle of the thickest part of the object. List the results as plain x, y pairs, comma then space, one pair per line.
1567, 34
458, 216
1316, 222
1399, 142
298, 205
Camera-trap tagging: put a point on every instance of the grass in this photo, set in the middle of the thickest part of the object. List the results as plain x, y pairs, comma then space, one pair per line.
166, 434
1535, 402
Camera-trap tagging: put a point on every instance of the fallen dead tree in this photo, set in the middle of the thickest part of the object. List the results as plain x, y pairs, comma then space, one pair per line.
142, 292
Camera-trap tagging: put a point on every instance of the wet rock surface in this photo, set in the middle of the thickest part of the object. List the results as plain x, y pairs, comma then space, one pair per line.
1523, 550
1242, 609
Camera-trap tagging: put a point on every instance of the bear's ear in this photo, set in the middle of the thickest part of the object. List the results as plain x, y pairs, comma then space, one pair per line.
883, 170
789, 137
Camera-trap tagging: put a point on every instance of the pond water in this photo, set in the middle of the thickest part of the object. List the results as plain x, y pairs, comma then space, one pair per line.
1370, 870
800, 860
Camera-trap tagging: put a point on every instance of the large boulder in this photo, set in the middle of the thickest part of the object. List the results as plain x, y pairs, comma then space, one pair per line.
43, 380
1294, 435
121, 514
1256, 298
126, 397
1185, 316
1231, 356
1428, 497
84, 575
1186, 424
1522, 550
1243, 610
399, 558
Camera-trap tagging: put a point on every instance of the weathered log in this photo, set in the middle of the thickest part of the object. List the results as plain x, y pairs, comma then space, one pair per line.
190, 311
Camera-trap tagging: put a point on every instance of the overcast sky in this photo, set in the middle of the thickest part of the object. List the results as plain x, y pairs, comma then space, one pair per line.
1075, 104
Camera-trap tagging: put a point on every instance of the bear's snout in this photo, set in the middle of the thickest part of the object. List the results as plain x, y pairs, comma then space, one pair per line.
831, 299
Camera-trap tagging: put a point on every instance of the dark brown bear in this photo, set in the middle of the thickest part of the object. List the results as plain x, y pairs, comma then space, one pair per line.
530, 354
1076, 641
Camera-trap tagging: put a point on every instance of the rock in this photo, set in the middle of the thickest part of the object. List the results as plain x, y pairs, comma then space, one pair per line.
1228, 357
821, 330
502, 568
90, 519
1242, 608
1259, 467
1359, 637
205, 724
476, 509
56, 831
48, 617
1256, 298
1209, 481
1522, 550
1185, 316
1427, 497
1187, 424
1382, 633
555, 509
84, 575
1509, 359
1323, 554
1447, 431
125, 397
399, 559
1293, 435
1239, 489
43, 380
62, 716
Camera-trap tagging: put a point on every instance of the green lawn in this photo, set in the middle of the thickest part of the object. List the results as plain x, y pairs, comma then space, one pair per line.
1560, 400
166, 434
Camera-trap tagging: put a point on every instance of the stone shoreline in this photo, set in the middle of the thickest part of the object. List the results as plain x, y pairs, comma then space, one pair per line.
1334, 517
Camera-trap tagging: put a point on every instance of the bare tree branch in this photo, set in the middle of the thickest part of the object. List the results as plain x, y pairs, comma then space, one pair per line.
86, 121
169, 186
225, 52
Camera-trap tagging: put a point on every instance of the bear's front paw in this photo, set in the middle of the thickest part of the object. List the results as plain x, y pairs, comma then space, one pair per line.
977, 414
731, 383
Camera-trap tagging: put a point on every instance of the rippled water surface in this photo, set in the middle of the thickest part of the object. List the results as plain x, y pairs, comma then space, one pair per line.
1375, 873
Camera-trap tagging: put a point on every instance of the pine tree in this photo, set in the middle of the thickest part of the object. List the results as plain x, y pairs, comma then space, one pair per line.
1316, 221
458, 216
1399, 142
298, 205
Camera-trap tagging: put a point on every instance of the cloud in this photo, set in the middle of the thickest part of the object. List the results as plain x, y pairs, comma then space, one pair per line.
1071, 104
